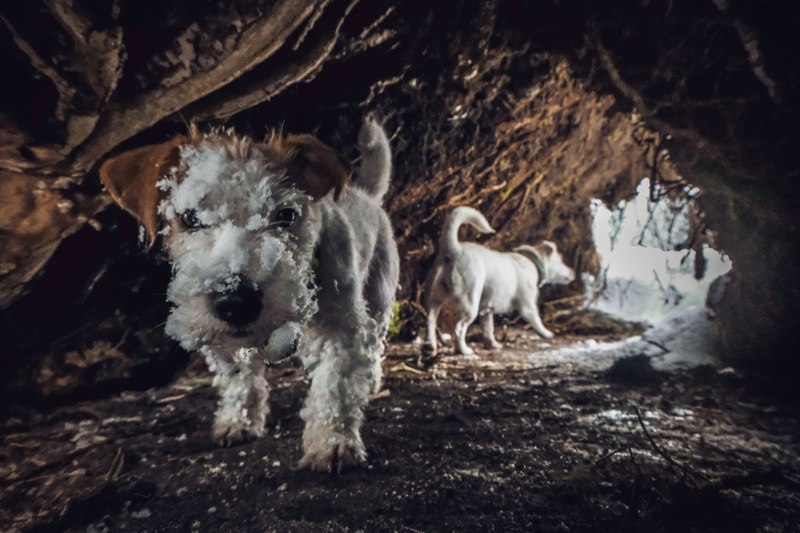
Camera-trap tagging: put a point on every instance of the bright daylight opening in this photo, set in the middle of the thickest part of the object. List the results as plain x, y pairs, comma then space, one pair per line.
651, 272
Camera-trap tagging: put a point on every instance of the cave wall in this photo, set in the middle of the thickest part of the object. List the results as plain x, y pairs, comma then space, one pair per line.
524, 110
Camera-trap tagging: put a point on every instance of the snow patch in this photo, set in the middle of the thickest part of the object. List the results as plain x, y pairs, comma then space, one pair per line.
645, 279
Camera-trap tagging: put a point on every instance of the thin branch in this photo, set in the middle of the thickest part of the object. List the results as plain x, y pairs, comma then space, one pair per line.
312, 21
661, 452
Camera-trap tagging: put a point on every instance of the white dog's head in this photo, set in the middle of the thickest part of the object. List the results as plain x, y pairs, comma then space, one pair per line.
240, 222
555, 271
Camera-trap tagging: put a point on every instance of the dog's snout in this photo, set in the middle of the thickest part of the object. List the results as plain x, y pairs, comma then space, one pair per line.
239, 305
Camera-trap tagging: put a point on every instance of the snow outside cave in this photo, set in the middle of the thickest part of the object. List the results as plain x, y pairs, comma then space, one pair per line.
644, 278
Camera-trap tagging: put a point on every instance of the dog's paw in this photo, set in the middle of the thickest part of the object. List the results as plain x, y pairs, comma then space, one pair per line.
493, 345
427, 356
338, 454
547, 334
229, 433
467, 352
428, 350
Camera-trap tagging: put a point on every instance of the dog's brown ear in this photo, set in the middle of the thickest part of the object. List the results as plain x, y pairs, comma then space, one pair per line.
547, 248
318, 168
131, 178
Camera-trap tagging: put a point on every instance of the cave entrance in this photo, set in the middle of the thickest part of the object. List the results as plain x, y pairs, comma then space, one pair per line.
659, 266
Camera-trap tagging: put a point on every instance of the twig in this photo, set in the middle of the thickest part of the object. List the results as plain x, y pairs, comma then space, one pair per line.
566, 299
116, 465
657, 345
611, 454
169, 399
413, 370
661, 452
383, 393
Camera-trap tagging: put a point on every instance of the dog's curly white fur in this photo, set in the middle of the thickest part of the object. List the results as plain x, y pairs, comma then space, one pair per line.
272, 252
482, 282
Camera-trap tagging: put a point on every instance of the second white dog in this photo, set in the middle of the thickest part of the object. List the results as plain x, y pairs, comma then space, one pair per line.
482, 282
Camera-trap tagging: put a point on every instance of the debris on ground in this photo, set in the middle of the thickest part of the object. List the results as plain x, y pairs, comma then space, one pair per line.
514, 440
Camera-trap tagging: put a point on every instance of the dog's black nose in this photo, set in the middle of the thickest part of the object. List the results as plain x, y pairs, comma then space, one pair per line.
239, 305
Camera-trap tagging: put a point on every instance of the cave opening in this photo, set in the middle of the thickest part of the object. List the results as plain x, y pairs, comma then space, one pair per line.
658, 266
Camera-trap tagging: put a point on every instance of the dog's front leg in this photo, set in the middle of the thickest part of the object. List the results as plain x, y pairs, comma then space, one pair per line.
531, 314
243, 408
338, 351
341, 373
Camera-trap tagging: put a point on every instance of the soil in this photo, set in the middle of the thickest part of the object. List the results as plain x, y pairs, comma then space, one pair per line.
520, 439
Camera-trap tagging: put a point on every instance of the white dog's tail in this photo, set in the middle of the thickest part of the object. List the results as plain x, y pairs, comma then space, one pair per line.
375, 169
459, 216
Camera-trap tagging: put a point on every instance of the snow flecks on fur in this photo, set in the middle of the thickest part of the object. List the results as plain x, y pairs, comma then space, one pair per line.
243, 406
233, 200
270, 251
203, 166
256, 222
227, 253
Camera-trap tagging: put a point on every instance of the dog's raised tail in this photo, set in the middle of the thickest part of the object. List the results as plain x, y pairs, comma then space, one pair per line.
460, 216
375, 169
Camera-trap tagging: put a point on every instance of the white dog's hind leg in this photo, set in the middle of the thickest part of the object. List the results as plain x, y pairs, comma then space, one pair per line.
466, 307
487, 325
436, 298
461, 337
467, 317
243, 408
433, 315
531, 314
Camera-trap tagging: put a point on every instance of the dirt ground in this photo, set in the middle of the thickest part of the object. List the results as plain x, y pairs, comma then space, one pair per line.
517, 440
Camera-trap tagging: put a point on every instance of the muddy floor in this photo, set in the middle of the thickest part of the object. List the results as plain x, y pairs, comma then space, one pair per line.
523, 439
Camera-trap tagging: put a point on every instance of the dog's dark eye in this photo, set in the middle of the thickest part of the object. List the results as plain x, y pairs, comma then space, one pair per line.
190, 221
284, 218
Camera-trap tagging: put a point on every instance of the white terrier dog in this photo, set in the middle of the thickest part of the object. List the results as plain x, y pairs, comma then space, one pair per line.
272, 253
482, 282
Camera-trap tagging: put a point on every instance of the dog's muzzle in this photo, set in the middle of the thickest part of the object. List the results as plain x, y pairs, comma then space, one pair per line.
239, 305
